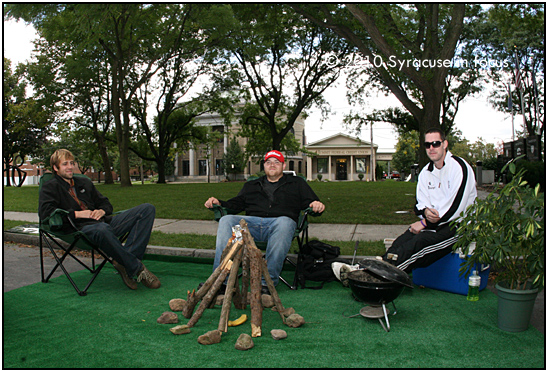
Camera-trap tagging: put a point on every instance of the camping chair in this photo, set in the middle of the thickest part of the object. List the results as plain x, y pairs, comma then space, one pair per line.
52, 237
301, 234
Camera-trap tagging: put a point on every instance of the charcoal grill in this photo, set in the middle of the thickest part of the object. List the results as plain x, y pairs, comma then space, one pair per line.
377, 283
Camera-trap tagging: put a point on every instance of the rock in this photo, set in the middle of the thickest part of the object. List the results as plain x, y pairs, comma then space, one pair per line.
294, 320
267, 300
244, 342
180, 329
219, 300
210, 338
278, 334
168, 317
177, 304
286, 312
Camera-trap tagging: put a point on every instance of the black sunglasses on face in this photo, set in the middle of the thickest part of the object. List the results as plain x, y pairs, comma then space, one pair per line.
434, 144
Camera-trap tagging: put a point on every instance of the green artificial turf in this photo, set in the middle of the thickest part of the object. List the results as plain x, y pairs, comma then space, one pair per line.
50, 326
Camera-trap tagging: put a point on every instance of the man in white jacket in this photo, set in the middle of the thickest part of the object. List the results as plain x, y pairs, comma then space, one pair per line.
445, 188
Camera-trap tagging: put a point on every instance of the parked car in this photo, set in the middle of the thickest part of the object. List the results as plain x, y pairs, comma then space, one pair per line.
395, 175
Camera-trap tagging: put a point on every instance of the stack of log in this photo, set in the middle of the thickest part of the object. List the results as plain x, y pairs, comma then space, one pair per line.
240, 251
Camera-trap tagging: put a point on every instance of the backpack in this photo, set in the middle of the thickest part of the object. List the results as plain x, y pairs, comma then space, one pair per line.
315, 263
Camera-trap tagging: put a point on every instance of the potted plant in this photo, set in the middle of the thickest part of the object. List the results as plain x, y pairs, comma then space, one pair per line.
508, 230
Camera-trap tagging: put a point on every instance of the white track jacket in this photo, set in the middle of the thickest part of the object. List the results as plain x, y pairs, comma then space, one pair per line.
449, 190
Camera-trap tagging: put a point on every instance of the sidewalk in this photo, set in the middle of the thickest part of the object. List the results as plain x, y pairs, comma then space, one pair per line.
343, 232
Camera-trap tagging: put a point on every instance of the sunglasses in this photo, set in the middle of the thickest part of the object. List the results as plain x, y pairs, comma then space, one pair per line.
434, 144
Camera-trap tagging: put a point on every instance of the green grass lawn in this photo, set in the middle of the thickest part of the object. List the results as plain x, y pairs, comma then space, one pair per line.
346, 202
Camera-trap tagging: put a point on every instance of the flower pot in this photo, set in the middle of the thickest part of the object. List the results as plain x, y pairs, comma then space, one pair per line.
515, 307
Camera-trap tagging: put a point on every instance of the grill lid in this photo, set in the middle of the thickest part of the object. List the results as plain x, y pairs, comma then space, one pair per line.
386, 271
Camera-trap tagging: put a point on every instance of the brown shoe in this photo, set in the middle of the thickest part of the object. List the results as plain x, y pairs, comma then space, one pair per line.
132, 284
148, 279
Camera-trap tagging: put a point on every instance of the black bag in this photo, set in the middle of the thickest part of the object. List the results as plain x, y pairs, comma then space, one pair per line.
315, 263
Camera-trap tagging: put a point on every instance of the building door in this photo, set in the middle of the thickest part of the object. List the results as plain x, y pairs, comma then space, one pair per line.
341, 174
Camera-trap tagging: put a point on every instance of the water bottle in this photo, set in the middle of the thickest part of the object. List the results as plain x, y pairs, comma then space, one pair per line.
473, 286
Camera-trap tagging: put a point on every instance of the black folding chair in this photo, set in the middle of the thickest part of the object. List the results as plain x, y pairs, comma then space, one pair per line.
301, 234
53, 237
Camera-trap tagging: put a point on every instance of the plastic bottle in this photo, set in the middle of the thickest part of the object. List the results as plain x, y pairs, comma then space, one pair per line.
473, 286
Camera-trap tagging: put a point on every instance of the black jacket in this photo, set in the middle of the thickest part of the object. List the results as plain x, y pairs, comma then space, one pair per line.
55, 194
292, 195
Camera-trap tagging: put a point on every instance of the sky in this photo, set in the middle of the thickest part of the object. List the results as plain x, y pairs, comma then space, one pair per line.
475, 117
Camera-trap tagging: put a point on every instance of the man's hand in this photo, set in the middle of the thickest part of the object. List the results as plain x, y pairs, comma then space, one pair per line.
209, 203
317, 207
431, 215
416, 227
96, 214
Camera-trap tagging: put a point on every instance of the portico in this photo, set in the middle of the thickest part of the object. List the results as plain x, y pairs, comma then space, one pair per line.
341, 158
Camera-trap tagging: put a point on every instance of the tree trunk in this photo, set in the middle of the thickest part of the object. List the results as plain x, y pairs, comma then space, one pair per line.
105, 159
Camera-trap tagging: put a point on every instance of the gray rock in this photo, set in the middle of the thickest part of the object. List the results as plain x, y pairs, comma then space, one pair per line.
267, 300
278, 334
168, 317
294, 320
177, 304
210, 338
244, 342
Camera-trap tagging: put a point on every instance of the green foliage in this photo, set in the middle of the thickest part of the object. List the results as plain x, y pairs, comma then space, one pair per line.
407, 152
508, 229
535, 172
25, 123
234, 160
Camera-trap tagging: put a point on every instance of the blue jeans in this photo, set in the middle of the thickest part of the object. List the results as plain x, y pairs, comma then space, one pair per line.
276, 231
138, 221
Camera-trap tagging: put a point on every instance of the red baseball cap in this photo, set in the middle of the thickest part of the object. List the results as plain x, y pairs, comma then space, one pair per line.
274, 154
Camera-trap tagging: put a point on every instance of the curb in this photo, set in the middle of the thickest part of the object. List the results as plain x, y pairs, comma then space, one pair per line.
34, 240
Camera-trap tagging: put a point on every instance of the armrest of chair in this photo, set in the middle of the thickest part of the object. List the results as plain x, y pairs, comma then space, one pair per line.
303, 217
220, 211
55, 220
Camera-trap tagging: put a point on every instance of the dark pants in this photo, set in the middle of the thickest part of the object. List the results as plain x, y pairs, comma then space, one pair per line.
422, 249
138, 221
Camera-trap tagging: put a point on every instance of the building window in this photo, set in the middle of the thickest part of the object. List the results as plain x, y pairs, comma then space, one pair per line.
186, 168
202, 167
322, 165
361, 165
300, 167
291, 165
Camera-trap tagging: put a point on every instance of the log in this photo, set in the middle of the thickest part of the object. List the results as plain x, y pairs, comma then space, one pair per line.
194, 297
272, 288
255, 284
227, 301
245, 278
210, 295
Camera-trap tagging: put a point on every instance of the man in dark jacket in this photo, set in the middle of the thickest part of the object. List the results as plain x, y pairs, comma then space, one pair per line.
272, 204
91, 213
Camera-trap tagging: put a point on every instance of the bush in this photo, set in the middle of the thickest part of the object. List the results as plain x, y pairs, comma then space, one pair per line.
534, 172
319, 176
490, 164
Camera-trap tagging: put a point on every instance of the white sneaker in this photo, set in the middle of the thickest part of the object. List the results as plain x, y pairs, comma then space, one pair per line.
339, 267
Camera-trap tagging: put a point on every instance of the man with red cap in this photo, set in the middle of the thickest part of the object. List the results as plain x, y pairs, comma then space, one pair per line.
272, 204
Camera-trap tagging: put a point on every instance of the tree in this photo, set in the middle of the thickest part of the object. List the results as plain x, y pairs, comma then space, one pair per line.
408, 49
75, 82
234, 160
24, 122
137, 41
515, 35
407, 151
173, 83
281, 59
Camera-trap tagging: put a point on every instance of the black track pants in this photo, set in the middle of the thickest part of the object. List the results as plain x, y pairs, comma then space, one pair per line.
422, 249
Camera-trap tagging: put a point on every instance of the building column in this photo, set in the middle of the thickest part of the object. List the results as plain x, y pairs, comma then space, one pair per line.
309, 168
329, 168
351, 167
191, 161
